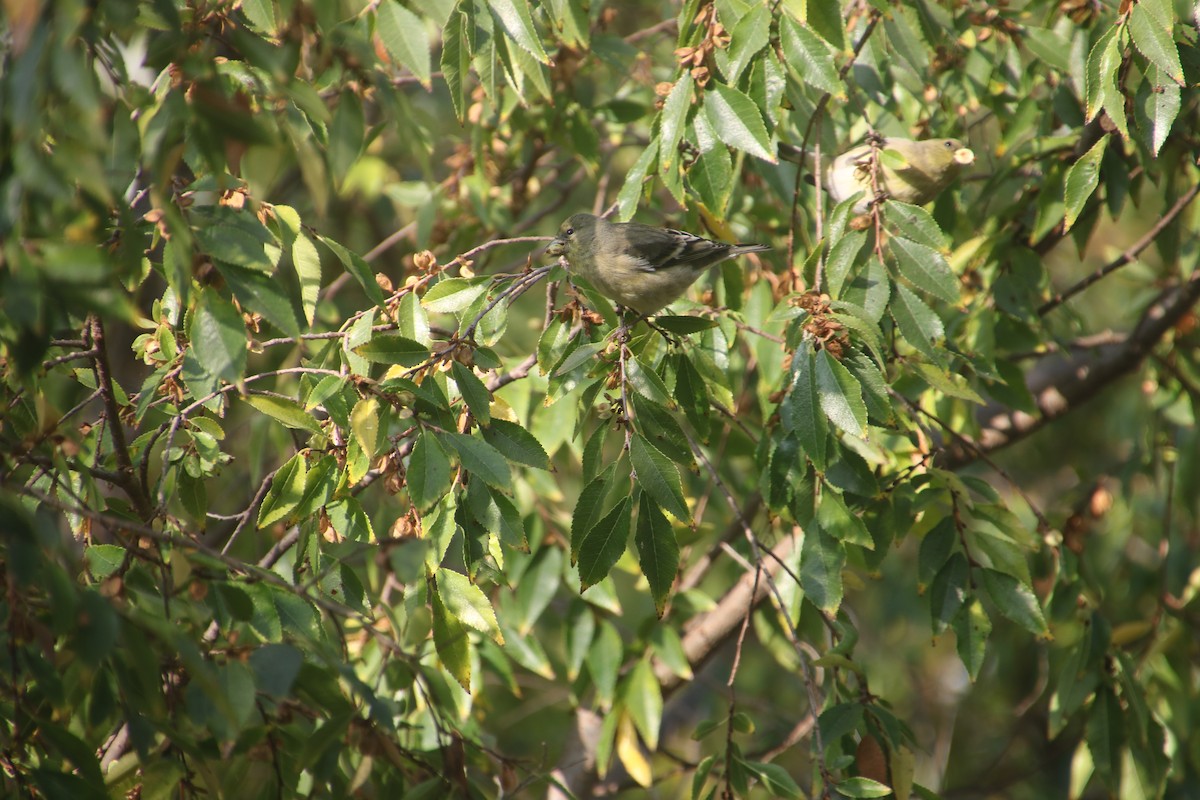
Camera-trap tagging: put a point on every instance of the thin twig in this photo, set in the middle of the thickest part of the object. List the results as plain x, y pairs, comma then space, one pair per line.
129, 483
1125, 258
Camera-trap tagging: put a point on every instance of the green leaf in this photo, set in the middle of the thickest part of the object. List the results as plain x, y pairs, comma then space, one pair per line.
480, 459
643, 699
500, 515
516, 444
307, 262
809, 56
825, 18
1155, 42
428, 472
455, 61
917, 224
919, 326
948, 592
1016, 601
869, 290
673, 121
364, 424
406, 39
683, 325
350, 521
660, 427
737, 121
874, 387
863, 787
284, 410
1157, 106
1106, 736
238, 244
750, 35
451, 640
347, 133
822, 558
905, 41
474, 393
801, 411
1111, 95
631, 189
515, 19
1095, 78
359, 269
936, 547
839, 521
603, 544
668, 646
104, 559
1050, 46
579, 356
262, 294
468, 603
319, 485
589, 507
658, 477
392, 348
658, 551
1082, 179
286, 492
926, 268
842, 258
951, 384
646, 381
604, 659
858, 321
972, 628
775, 779
840, 395
218, 337
711, 175
261, 14
692, 395
275, 668
452, 295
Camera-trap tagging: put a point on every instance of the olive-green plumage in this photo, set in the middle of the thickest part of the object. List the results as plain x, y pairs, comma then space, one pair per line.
639, 266
929, 166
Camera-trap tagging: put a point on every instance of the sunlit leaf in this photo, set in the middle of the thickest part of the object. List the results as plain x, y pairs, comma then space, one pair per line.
404, 35
737, 121
809, 56
659, 478
1155, 42
1082, 179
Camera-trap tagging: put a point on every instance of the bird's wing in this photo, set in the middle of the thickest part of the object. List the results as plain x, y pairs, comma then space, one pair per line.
664, 248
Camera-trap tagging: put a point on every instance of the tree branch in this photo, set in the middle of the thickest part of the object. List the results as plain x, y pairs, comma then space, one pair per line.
127, 478
1126, 257
1065, 384
705, 633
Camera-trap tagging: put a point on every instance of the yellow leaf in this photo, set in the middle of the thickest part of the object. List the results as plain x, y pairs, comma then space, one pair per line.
630, 752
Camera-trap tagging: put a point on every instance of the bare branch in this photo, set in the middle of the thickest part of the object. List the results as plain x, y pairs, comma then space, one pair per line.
1126, 257
1065, 384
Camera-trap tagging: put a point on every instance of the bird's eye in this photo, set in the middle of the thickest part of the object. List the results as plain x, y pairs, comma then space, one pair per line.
949, 144
570, 231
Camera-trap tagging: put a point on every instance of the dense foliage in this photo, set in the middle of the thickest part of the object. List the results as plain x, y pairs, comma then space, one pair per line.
318, 481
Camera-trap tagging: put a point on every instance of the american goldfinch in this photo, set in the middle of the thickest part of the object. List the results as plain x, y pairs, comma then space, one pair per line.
639, 266
929, 166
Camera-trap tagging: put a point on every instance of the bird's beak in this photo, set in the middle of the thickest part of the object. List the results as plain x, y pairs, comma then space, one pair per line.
964, 156
557, 248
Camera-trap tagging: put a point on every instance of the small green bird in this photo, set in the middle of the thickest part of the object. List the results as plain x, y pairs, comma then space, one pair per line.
929, 166
639, 266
